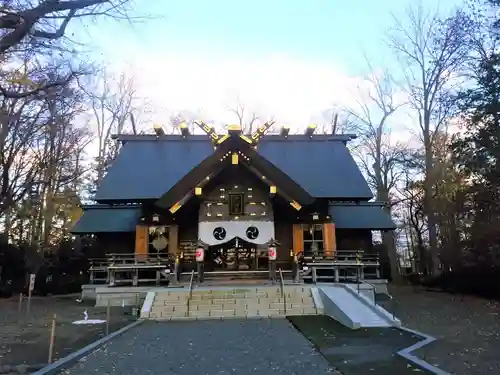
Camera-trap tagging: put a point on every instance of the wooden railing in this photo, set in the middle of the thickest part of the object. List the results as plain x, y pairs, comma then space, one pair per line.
340, 256
320, 265
129, 259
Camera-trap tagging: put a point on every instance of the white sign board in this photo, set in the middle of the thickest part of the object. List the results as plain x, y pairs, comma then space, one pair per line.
32, 282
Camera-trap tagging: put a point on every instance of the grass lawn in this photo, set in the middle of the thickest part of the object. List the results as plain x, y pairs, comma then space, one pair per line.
358, 352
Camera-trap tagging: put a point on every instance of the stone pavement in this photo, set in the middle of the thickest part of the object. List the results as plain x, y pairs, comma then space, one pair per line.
211, 347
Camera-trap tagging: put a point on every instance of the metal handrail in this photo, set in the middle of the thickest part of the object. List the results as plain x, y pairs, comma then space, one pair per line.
393, 306
282, 287
190, 293
393, 301
360, 281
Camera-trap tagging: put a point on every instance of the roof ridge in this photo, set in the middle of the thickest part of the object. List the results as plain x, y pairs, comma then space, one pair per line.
101, 206
204, 137
356, 203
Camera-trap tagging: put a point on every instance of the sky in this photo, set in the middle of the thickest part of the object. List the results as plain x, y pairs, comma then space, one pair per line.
287, 59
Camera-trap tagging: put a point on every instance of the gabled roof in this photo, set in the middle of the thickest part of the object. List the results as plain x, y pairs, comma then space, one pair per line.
322, 165
104, 218
363, 215
219, 160
149, 166
146, 168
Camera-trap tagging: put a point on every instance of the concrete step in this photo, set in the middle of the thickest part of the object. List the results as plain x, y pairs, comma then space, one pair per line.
170, 308
253, 291
248, 302
222, 314
222, 304
235, 302
228, 311
245, 295
169, 303
164, 294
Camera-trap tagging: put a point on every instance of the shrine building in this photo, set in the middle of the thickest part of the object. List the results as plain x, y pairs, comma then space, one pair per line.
235, 195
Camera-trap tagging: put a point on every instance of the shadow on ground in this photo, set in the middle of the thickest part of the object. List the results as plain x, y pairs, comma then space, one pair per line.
358, 352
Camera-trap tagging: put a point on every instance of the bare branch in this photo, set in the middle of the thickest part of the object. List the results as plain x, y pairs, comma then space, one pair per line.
247, 119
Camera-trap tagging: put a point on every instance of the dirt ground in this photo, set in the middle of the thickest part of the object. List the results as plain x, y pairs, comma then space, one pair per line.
364, 351
467, 329
24, 339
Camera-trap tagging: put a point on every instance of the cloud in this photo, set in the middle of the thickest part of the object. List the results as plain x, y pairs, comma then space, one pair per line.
294, 91
291, 90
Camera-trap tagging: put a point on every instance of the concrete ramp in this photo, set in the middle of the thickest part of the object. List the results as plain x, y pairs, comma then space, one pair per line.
344, 304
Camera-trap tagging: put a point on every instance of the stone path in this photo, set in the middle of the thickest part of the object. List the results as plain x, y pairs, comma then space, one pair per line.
213, 347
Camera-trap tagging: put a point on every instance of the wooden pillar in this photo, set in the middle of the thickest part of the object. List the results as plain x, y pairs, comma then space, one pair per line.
141, 241
329, 240
298, 238
173, 239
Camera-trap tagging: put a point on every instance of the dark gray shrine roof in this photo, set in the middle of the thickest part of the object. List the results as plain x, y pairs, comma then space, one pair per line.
146, 169
148, 166
103, 218
362, 215
323, 165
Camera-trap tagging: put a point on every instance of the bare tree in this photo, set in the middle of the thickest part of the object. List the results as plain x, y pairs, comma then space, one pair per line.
246, 118
187, 117
432, 52
334, 120
379, 157
112, 101
29, 27
29, 21
40, 160
414, 222
60, 148
20, 124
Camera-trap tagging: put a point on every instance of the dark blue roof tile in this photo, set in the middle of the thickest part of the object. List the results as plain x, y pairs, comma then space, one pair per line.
365, 215
104, 219
147, 169
323, 167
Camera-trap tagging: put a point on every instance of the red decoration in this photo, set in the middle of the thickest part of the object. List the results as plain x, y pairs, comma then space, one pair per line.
271, 252
200, 254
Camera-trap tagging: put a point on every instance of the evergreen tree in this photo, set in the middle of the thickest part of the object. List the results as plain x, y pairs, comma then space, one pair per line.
478, 155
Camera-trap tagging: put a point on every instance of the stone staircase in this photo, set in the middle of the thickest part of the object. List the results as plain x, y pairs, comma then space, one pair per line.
255, 302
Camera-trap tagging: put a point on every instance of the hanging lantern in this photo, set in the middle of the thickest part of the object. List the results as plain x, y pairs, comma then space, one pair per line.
200, 254
271, 252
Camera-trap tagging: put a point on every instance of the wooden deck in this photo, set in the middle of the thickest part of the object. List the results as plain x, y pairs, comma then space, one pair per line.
128, 269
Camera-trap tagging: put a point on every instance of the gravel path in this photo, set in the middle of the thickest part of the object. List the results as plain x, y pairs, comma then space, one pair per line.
467, 329
241, 347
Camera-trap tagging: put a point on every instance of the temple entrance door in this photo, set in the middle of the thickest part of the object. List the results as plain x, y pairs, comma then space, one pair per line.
234, 255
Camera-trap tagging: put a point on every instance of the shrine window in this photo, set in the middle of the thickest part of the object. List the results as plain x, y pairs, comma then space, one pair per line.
236, 204
158, 240
313, 239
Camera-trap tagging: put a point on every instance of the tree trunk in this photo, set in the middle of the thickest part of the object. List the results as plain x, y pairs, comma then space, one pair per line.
388, 238
389, 241
429, 207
